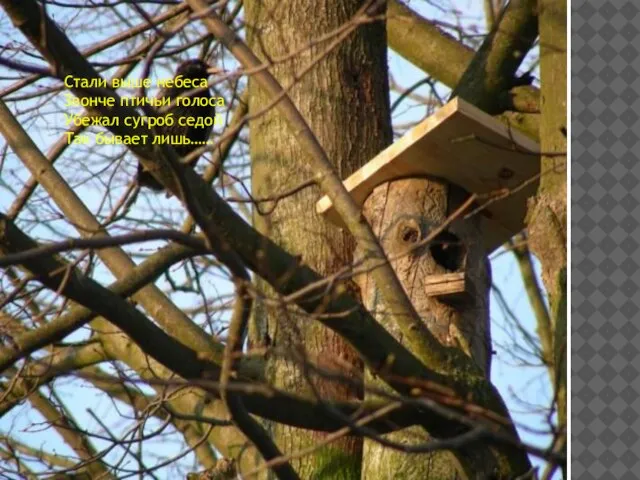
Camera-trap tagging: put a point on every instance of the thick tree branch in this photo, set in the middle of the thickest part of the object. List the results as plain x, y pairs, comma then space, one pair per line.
520, 250
426, 46
30, 341
438, 54
493, 68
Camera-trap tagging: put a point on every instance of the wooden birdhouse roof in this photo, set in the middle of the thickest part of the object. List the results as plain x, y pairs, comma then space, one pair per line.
466, 147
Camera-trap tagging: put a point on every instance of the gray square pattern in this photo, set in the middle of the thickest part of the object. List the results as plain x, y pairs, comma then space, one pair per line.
605, 222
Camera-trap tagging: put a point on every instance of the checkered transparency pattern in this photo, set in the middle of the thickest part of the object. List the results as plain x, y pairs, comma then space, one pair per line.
605, 350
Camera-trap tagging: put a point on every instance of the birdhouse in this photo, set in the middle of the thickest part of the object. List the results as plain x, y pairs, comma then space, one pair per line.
466, 147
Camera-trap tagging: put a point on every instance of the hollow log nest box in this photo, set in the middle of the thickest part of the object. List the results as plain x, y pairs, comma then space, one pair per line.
466, 147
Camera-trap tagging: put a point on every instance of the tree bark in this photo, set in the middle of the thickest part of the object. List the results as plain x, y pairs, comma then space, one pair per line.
403, 213
345, 100
547, 216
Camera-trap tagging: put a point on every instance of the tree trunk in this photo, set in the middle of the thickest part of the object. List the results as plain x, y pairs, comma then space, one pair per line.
403, 213
345, 100
547, 216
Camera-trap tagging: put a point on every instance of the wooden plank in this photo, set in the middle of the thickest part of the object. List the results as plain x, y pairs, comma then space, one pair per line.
467, 147
450, 288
